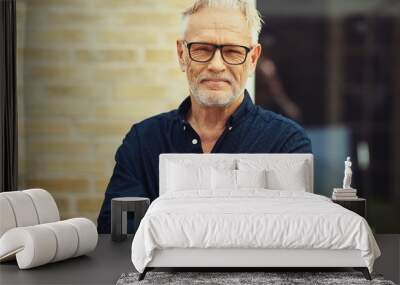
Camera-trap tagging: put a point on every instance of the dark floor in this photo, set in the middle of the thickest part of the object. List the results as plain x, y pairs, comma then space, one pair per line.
389, 262
110, 260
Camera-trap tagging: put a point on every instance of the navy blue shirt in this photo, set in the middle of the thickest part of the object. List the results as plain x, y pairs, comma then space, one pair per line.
250, 129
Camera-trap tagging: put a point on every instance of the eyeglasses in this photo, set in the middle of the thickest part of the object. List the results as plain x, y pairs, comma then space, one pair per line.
204, 52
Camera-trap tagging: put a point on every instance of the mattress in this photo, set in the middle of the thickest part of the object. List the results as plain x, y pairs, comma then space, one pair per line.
252, 219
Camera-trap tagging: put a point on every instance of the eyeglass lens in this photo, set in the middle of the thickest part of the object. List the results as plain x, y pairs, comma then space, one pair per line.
230, 53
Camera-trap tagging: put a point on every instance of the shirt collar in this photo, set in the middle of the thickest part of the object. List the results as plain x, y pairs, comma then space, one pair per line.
245, 107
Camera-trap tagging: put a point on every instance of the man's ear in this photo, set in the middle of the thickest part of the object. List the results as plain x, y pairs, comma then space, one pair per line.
181, 54
254, 56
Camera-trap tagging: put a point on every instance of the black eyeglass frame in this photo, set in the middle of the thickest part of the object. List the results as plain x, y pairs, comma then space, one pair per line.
216, 47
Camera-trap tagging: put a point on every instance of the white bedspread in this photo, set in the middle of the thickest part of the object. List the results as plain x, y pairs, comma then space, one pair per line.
251, 218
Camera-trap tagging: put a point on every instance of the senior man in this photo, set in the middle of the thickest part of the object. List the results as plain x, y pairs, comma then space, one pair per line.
218, 51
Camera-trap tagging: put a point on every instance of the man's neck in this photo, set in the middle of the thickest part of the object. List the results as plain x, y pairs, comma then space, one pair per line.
211, 118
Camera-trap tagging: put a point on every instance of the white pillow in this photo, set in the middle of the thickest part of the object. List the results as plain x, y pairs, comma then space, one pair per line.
223, 179
235, 179
281, 174
293, 180
251, 178
181, 178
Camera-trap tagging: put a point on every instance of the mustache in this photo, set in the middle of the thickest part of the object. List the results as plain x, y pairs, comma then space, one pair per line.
215, 77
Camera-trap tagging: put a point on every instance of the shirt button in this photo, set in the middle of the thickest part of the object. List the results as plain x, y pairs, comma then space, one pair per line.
230, 128
194, 141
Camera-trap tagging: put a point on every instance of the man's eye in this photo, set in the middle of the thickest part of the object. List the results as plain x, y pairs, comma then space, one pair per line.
202, 48
233, 51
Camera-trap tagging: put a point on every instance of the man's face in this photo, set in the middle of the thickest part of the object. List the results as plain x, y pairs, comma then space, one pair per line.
217, 83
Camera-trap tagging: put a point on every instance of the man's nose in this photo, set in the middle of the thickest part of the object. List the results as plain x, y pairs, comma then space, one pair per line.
217, 64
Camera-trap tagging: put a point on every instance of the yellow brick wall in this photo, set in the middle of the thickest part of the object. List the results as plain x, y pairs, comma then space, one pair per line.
88, 70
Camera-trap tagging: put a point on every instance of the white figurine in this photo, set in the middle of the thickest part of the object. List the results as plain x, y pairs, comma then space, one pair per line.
347, 174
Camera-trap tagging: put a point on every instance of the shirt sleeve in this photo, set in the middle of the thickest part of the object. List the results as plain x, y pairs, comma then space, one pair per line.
297, 142
126, 179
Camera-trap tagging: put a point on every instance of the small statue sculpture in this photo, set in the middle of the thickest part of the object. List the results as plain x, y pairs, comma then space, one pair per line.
347, 174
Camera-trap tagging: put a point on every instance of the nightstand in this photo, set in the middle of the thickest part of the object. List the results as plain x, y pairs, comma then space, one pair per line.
357, 205
119, 208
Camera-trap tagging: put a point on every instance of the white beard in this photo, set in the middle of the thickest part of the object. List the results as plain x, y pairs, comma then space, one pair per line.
208, 100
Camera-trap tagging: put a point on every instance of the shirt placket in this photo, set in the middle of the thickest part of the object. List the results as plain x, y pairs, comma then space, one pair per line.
193, 139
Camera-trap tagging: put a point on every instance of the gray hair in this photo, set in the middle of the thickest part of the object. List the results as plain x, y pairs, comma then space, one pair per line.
247, 7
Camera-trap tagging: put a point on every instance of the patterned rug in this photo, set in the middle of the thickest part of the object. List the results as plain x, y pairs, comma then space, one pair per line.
244, 278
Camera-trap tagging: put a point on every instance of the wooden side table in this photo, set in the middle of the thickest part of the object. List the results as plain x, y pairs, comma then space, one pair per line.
119, 209
357, 205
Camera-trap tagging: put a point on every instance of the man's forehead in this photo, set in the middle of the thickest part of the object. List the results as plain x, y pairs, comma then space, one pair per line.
214, 24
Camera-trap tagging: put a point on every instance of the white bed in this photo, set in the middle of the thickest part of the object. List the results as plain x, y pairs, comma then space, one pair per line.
248, 226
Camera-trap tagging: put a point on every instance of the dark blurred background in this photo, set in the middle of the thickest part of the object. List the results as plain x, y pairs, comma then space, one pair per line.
334, 67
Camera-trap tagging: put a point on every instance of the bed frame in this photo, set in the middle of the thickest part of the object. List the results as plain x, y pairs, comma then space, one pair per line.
237, 258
